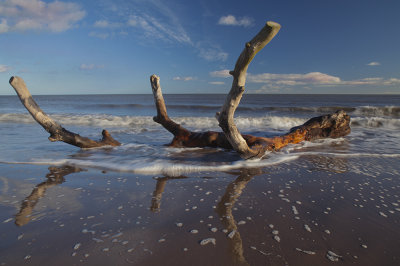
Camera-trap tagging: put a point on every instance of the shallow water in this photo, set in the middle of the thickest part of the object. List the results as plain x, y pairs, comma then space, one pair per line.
144, 203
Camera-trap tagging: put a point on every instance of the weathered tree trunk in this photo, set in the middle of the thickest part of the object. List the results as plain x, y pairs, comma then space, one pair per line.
329, 126
57, 132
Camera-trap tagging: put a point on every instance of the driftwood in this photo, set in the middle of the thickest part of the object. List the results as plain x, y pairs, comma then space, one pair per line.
328, 126
57, 132
248, 146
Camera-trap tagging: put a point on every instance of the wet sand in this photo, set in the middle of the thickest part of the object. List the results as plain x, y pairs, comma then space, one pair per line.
297, 213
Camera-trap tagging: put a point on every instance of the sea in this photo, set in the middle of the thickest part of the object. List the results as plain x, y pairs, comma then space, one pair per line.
145, 203
375, 124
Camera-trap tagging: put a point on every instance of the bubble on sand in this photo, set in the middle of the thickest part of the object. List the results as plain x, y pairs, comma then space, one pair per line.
332, 256
179, 224
307, 228
77, 245
383, 214
194, 231
306, 251
277, 238
213, 229
232, 234
208, 241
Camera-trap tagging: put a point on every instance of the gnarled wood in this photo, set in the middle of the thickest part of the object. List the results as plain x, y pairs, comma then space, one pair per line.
248, 146
225, 117
328, 126
57, 132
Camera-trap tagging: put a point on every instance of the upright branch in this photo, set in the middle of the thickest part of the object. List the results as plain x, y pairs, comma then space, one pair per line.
225, 117
57, 132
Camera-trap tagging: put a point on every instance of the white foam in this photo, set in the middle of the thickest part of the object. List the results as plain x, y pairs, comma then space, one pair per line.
200, 123
161, 166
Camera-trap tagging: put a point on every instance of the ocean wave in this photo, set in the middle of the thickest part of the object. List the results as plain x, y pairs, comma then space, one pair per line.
375, 122
194, 123
391, 111
378, 111
200, 123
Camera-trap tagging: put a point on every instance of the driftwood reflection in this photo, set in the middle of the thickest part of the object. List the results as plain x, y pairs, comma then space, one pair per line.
54, 177
157, 194
224, 210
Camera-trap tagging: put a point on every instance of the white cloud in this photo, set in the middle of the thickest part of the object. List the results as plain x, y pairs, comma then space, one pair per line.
184, 78
90, 66
4, 68
220, 73
24, 15
231, 20
374, 64
294, 79
216, 82
285, 82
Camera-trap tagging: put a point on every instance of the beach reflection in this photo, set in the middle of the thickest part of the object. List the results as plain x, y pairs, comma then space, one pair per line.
224, 209
157, 194
54, 177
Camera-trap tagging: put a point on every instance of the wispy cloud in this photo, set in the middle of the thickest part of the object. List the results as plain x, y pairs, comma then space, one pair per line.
211, 53
90, 66
231, 20
153, 21
25, 15
100, 35
374, 64
184, 78
4, 68
154, 28
105, 24
220, 73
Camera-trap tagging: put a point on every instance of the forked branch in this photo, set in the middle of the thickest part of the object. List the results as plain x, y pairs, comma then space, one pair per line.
57, 132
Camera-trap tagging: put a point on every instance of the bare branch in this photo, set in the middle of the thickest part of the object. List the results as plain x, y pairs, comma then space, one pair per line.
225, 117
57, 132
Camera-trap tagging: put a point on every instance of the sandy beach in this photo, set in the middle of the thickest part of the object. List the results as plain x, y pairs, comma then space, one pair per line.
297, 213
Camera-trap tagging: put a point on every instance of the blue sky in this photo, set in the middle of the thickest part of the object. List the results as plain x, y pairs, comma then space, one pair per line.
113, 46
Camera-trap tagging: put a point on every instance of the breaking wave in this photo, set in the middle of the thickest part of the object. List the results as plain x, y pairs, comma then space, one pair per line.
206, 123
